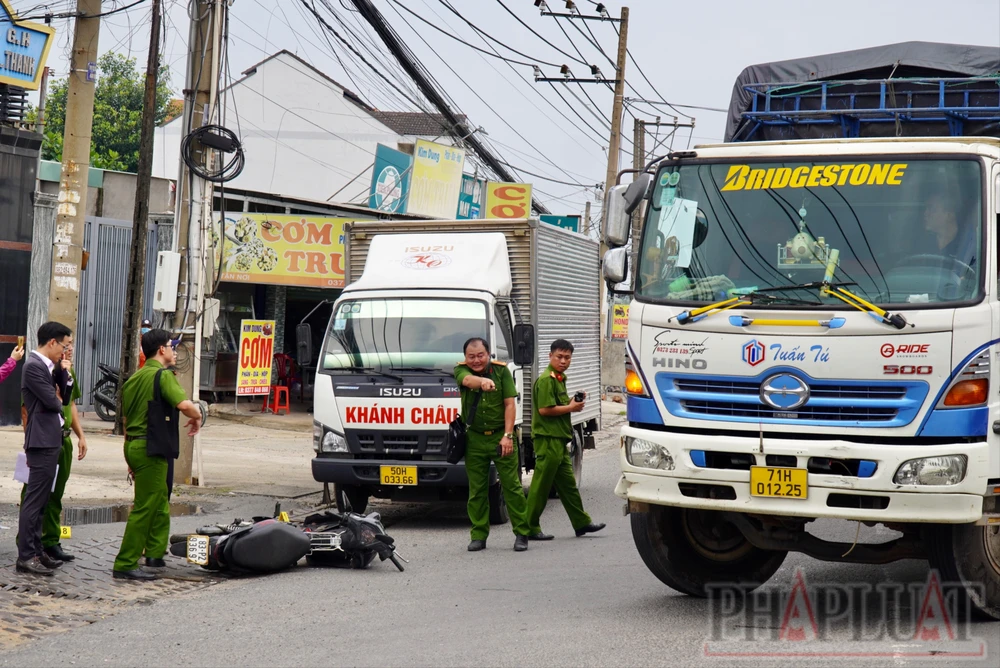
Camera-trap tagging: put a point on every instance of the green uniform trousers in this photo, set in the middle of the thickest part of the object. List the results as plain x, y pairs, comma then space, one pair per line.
148, 527
52, 515
479, 452
553, 467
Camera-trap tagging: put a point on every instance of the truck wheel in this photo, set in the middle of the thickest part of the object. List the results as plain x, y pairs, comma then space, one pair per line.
350, 498
970, 555
498, 506
690, 549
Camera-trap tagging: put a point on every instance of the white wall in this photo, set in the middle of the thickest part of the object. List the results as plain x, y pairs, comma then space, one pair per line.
301, 137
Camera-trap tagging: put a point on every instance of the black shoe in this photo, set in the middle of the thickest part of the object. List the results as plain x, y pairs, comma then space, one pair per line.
590, 528
155, 563
477, 545
541, 536
56, 552
33, 566
48, 561
137, 574
520, 543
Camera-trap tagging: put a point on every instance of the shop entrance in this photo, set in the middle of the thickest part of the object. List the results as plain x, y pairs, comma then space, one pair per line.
312, 308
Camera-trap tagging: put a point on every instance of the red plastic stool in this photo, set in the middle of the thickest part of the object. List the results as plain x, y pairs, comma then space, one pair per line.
277, 404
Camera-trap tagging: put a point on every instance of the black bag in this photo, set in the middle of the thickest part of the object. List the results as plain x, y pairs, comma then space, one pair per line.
457, 433
162, 431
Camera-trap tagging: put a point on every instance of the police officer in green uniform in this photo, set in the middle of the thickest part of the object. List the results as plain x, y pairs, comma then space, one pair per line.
490, 438
52, 515
551, 430
148, 527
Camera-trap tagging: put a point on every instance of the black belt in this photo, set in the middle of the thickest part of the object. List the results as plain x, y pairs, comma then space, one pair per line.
487, 433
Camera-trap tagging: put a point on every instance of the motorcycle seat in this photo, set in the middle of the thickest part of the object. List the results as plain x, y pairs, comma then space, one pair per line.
266, 546
108, 370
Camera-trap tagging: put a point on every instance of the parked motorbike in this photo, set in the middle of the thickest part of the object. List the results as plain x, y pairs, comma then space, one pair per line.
106, 393
266, 545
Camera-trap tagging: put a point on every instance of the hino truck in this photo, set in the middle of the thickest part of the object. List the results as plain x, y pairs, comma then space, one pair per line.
814, 327
417, 290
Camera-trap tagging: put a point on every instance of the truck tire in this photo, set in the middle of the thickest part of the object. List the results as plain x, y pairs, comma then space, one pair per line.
969, 555
689, 549
498, 506
350, 495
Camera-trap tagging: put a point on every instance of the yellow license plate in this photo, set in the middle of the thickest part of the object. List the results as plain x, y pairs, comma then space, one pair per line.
398, 475
780, 482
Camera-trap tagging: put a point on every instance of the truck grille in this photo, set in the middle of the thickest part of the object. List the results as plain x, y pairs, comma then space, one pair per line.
831, 402
397, 444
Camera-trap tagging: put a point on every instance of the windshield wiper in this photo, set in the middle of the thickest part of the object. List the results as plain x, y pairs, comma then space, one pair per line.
361, 369
837, 290
694, 315
422, 369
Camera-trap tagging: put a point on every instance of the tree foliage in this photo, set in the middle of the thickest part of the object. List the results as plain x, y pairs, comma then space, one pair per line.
117, 113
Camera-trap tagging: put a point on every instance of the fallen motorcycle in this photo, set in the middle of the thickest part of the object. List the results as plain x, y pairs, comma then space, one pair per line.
266, 545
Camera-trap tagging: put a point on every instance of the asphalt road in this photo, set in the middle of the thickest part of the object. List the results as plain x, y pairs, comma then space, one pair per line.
570, 602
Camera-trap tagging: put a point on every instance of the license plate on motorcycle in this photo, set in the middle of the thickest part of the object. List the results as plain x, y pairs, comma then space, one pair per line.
779, 482
398, 475
197, 550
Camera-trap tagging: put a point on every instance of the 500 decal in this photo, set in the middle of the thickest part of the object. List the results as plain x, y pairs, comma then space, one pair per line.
744, 177
907, 370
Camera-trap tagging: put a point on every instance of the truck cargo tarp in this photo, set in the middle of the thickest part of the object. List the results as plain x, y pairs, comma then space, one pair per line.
906, 59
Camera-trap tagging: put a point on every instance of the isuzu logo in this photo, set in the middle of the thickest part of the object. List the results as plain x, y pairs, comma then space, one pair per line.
784, 392
400, 391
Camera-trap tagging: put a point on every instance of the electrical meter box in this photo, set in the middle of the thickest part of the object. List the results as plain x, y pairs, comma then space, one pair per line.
168, 269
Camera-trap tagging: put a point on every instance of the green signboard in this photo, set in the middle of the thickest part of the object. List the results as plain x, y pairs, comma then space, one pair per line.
571, 223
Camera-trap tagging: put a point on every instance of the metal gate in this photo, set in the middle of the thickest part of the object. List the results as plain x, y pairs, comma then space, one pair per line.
102, 297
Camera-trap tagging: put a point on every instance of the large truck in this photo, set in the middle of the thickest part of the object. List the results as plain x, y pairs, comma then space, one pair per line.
417, 290
814, 328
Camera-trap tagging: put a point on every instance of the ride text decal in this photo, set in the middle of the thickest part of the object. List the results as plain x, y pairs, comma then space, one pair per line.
745, 177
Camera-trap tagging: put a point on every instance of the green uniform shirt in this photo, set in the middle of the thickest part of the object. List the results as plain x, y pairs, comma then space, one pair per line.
138, 392
74, 395
490, 411
550, 390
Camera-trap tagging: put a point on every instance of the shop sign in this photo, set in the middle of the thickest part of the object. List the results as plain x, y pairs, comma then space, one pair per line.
471, 198
437, 179
508, 200
619, 325
261, 248
25, 49
255, 357
390, 180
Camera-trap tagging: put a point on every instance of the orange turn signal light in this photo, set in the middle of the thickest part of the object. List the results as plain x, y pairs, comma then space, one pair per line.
968, 393
633, 383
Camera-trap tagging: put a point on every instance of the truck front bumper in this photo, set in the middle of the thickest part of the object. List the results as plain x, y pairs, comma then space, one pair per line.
691, 486
366, 472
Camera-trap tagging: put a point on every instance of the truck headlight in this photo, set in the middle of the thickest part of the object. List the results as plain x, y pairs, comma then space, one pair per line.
647, 454
944, 470
333, 442
317, 436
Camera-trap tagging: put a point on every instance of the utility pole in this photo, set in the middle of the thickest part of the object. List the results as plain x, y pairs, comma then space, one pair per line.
67, 260
586, 218
194, 207
638, 162
140, 218
43, 94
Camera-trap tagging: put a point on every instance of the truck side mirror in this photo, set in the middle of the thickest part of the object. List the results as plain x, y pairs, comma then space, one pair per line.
615, 266
303, 345
619, 205
524, 344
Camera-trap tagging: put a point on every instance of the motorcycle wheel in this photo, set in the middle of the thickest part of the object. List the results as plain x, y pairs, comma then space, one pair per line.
104, 412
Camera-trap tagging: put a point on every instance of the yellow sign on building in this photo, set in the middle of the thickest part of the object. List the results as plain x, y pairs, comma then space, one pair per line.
281, 250
508, 200
256, 356
619, 323
436, 180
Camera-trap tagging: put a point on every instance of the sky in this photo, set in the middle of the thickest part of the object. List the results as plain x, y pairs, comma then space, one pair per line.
691, 53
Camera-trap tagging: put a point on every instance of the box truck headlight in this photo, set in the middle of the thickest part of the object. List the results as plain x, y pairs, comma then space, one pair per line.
946, 470
648, 455
325, 440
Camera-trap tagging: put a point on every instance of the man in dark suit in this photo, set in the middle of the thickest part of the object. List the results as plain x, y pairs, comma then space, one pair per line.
43, 439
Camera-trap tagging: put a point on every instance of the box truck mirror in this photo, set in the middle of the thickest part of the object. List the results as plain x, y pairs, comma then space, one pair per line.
303, 345
616, 220
524, 344
615, 266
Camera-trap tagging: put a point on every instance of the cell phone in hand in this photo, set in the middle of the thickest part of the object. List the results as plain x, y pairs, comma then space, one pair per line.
579, 397
20, 342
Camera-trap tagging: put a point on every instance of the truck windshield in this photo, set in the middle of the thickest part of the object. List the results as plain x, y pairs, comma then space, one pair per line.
384, 334
903, 232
